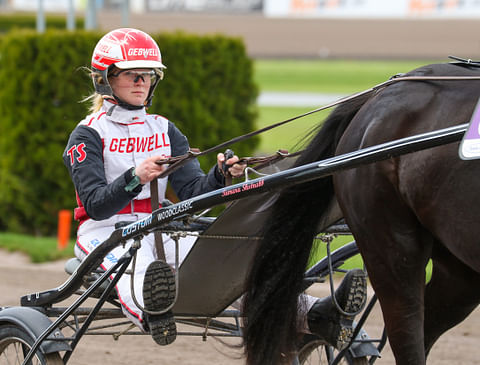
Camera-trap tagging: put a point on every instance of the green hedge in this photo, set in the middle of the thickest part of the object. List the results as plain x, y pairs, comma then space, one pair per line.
208, 91
29, 21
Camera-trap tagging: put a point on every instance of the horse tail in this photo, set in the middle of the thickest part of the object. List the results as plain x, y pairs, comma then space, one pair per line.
273, 285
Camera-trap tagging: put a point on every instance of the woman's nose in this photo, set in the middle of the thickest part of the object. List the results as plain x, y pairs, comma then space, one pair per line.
138, 78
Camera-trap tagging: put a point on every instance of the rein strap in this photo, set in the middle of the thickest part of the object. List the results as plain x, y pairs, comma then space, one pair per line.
178, 161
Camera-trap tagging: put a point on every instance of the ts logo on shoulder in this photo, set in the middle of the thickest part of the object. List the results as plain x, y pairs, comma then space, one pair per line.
80, 154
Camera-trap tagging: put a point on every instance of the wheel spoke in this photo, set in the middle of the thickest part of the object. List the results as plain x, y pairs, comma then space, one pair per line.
15, 344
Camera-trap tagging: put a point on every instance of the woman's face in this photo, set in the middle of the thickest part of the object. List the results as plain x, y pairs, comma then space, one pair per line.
132, 85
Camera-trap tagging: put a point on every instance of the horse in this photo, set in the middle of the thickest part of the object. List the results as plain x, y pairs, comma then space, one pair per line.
401, 211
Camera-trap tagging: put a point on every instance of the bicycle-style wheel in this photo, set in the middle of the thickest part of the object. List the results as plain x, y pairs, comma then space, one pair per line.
315, 352
15, 343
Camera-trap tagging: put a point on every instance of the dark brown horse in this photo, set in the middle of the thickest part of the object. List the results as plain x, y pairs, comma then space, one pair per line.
402, 212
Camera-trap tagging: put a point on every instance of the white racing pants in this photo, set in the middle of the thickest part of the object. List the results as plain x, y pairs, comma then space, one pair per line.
91, 233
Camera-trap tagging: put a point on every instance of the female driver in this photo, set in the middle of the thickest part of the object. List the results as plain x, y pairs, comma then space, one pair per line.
111, 158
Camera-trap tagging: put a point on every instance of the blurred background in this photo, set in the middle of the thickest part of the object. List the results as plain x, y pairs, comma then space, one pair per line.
233, 66
301, 54
292, 28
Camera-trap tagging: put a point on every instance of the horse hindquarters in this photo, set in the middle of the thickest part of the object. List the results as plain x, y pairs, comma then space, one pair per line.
395, 249
444, 196
405, 210
395, 240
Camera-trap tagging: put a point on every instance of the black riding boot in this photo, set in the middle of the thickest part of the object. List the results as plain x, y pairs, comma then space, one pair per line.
325, 321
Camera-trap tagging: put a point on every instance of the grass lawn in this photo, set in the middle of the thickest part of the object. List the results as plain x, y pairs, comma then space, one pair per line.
290, 136
328, 76
322, 76
40, 249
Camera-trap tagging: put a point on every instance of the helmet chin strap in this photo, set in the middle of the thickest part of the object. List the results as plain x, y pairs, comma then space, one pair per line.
119, 102
126, 105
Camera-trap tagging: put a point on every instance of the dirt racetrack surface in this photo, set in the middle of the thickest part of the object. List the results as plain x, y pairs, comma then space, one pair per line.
19, 277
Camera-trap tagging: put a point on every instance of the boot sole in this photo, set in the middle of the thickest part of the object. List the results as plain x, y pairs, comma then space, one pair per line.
356, 298
163, 328
158, 286
159, 292
357, 295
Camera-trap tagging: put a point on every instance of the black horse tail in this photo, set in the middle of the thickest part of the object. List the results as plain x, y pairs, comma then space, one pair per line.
270, 304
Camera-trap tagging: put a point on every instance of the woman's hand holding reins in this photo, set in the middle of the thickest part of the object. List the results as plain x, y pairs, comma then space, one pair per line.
235, 169
149, 169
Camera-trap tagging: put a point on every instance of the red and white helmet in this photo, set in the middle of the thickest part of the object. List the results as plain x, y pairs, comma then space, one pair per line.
125, 48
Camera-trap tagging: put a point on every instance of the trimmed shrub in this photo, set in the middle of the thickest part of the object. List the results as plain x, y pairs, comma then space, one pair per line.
208, 92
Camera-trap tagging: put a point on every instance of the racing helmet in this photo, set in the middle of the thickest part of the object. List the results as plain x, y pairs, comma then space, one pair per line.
125, 48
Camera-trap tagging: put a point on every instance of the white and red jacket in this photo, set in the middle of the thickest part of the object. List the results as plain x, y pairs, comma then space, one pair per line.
106, 145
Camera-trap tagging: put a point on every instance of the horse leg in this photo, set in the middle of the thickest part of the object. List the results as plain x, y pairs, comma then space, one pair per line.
395, 248
450, 296
399, 286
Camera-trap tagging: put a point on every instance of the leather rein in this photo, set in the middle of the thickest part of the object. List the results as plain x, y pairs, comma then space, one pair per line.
178, 161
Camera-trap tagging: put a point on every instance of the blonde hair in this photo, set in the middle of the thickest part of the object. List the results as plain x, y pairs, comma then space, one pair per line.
95, 100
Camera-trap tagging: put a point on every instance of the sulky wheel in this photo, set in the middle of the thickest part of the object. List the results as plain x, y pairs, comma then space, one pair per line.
15, 343
315, 352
